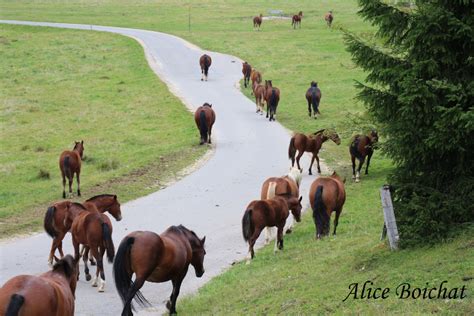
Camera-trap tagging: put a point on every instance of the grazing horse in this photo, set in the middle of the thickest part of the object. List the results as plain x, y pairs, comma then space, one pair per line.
360, 147
257, 22
259, 93
326, 195
313, 96
328, 18
93, 230
70, 164
311, 143
156, 258
205, 118
51, 293
205, 62
263, 213
246, 71
272, 97
56, 225
296, 20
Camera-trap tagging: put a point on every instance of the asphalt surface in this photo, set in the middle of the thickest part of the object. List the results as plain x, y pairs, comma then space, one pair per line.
210, 201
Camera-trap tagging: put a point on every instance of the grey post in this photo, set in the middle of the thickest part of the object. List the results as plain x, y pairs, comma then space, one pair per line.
389, 217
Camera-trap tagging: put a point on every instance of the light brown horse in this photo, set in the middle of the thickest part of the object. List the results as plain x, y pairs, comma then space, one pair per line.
51, 293
156, 258
205, 62
259, 93
268, 213
205, 117
93, 230
296, 20
329, 17
255, 76
326, 195
313, 96
311, 143
70, 164
56, 225
257, 22
272, 97
246, 71
362, 146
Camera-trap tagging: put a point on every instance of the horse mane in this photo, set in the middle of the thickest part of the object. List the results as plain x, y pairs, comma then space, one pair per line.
319, 132
79, 205
99, 196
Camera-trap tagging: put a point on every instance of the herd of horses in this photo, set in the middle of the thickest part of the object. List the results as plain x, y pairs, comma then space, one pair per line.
295, 20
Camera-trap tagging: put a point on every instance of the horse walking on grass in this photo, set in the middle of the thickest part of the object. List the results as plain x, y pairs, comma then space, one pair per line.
257, 22
329, 17
156, 258
70, 164
246, 71
205, 62
205, 118
362, 146
326, 195
296, 20
313, 96
259, 93
272, 97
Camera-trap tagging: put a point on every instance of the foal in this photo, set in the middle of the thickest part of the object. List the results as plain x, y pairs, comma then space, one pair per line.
296, 20
259, 93
272, 97
362, 146
313, 96
328, 18
205, 62
257, 22
70, 164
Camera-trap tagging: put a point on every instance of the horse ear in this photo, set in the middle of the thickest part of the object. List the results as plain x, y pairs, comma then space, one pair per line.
299, 200
115, 197
82, 142
203, 240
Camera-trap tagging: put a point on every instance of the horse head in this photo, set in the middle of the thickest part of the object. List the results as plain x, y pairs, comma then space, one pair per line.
332, 135
197, 246
314, 84
300, 13
373, 136
268, 84
295, 206
68, 266
79, 147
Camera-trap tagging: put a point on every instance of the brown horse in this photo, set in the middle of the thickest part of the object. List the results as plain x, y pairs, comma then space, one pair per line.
328, 18
311, 143
255, 76
246, 71
56, 226
156, 258
259, 93
360, 147
268, 213
326, 195
296, 20
51, 293
313, 96
272, 97
70, 164
205, 118
205, 62
93, 230
257, 22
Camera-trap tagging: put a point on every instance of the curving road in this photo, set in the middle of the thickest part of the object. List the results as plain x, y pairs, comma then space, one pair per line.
210, 201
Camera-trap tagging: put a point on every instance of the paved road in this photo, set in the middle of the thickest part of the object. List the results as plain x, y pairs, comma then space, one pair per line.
210, 201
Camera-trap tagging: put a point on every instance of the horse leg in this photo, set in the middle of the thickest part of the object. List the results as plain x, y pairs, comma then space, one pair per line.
202, 74
317, 161
309, 108
300, 154
290, 221
171, 304
70, 179
64, 185
353, 167
336, 221
268, 235
361, 162
252, 241
86, 267
368, 162
209, 135
75, 244
311, 165
78, 183
280, 235
136, 285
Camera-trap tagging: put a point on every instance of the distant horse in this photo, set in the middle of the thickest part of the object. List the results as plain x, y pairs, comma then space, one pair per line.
255, 76
360, 147
257, 22
272, 97
56, 225
93, 230
328, 18
246, 71
259, 93
70, 164
263, 213
296, 20
313, 96
311, 143
205, 62
51, 293
205, 118
326, 195
156, 258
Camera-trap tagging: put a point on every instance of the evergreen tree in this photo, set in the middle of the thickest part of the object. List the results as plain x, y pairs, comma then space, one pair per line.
420, 90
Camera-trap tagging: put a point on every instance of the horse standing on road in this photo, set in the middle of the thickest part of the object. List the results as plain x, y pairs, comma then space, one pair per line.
257, 22
313, 96
272, 97
205, 62
70, 164
259, 93
362, 146
296, 20
205, 118
246, 71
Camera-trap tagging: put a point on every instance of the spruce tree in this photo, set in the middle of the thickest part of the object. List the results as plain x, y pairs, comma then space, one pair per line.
420, 91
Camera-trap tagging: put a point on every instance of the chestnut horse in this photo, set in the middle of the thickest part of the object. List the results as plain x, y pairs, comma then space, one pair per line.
70, 164
326, 195
255, 76
313, 96
246, 71
205, 118
259, 93
311, 143
257, 22
328, 18
296, 20
263, 213
205, 62
51, 293
360, 147
272, 97
56, 226
156, 258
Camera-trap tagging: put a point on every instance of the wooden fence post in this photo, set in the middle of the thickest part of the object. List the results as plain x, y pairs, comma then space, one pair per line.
390, 226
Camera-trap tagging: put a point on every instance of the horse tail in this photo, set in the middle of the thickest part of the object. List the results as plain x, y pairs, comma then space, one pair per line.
319, 210
67, 167
207, 63
49, 222
247, 225
273, 101
292, 148
203, 125
314, 100
16, 302
109, 244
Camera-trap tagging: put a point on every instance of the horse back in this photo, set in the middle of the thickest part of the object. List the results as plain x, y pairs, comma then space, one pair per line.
358, 147
74, 160
283, 186
333, 193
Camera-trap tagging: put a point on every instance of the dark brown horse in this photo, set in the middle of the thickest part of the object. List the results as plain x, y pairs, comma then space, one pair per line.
205, 118
257, 22
296, 20
328, 18
246, 71
259, 93
156, 258
326, 195
311, 143
268, 213
51, 293
205, 62
70, 164
272, 97
313, 96
56, 225
362, 146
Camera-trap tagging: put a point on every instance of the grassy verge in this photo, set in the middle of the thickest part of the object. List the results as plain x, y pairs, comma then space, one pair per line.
59, 86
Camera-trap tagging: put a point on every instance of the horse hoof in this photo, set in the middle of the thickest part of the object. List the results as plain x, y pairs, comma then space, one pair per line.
88, 277
289, 231
357, 180
93, 263
202, 79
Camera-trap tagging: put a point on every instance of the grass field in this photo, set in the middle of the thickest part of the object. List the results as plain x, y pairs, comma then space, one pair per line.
308, 277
